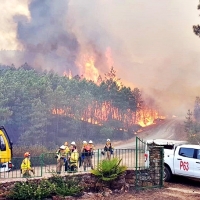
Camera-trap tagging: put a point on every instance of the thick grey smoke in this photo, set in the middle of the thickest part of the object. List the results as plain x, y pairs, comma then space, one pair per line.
150, 44
50, 41
47, 38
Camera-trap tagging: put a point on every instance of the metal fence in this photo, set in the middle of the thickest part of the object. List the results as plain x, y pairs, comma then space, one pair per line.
134, 159
128, 158
46, 163
15, 172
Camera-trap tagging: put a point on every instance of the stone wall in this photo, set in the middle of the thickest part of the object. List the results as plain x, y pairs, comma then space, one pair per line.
151, 176
90, 182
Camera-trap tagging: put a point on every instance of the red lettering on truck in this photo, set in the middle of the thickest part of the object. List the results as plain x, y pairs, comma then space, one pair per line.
184, 165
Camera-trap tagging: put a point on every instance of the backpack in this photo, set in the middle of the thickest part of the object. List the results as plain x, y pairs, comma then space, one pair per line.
87, 150
108, 148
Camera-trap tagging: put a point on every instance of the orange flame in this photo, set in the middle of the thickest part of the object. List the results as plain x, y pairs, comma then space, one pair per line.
68, 74
87, 68
58, 111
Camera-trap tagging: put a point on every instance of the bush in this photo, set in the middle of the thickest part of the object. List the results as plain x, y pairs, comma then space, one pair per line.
66, 187
69, 188
109, 170
56, 185
32, 190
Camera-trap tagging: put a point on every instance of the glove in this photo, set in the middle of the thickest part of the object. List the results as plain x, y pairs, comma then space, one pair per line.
102, 153
56, 156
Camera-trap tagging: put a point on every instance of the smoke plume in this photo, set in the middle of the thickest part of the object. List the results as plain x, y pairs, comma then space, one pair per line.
150, 44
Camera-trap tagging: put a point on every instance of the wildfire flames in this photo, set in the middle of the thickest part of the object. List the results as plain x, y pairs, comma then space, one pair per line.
106, 110
68, 74
87, 68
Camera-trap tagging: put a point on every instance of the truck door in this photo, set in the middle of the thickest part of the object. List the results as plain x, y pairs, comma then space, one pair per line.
197, 164
3, 153
184, 161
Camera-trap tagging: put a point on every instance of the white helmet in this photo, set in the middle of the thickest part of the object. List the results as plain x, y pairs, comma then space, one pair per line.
73, 143
62, 147
90, 142
84, 142
108, 140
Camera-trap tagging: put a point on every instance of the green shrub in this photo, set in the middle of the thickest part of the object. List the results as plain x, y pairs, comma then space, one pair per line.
66, 187
109, 170
56, 185
32, 190
69, 188
56, 179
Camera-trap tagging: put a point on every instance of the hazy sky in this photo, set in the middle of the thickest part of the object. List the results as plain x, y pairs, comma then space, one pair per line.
150, 44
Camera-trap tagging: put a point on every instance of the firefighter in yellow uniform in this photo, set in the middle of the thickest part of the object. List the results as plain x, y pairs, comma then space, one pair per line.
26, 168
67, 152
73, 158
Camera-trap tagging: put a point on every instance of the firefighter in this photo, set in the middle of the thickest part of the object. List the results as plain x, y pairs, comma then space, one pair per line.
67, 152
84, 144
92, 147
26, 168
86, 152
108, 149
60, 155
73, 158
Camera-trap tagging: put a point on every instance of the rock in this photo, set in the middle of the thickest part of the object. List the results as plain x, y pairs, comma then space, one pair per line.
106, 194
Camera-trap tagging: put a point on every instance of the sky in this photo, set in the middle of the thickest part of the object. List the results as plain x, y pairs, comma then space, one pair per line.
150, 44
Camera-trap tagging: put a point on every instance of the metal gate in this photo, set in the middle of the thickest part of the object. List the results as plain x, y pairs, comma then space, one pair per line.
151, 175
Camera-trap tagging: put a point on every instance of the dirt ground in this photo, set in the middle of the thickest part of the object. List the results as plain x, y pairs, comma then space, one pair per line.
170, 191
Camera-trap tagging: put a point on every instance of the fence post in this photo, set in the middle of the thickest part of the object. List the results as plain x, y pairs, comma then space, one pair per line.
98, 158
162, 167
136, 170
136, 156
41, 163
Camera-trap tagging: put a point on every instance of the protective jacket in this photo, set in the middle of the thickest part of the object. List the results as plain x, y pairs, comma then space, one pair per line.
74, 158
26, 165
60, 154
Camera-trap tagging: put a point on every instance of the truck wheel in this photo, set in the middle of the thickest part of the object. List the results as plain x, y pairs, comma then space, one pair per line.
167, 174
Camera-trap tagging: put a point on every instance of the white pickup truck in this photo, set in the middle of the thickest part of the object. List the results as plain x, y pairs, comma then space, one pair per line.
180, 158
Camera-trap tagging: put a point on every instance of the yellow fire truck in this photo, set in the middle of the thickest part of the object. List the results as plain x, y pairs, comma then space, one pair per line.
5, 151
